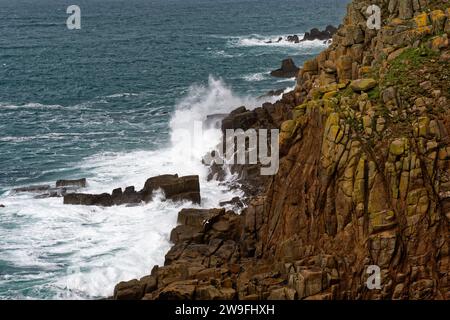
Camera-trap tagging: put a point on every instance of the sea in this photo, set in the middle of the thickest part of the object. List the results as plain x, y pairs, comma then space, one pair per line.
105, 102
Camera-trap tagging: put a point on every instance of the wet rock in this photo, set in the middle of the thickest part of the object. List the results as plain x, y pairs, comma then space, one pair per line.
240, 118
175, 188
236, 203
288, 69
33, 189
72, 183
104, 199
273, 93
316, 34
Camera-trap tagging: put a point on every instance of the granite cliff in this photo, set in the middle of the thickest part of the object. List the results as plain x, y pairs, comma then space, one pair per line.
364, 177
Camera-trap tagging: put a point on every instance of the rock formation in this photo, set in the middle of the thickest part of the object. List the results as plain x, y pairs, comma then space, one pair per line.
364, 178
174, 188
313, 34
288, 69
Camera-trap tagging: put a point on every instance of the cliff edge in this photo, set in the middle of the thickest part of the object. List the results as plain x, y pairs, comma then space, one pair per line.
364, 178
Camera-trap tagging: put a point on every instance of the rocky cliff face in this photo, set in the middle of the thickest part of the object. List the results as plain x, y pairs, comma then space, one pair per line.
364, 178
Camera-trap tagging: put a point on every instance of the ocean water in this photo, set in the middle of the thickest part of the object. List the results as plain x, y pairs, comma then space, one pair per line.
106, 102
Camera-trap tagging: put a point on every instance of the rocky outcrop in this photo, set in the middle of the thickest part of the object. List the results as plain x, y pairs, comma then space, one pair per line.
314, 34
364, 178
174, 188
288, 69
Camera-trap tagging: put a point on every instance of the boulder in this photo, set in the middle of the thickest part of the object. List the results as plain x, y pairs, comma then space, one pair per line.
2, 205
175, 188
288, 69
363, 84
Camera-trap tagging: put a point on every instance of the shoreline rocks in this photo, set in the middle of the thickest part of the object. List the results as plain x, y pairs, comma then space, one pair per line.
175, 188
314, 34
363, 179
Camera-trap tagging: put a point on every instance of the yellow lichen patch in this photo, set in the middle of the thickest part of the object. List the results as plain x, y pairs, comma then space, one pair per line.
288, 126
438, 43
363, 71
421, 20
397, 147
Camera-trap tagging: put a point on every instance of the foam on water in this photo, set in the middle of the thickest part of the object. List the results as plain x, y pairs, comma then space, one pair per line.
259, 76
58, 251
256, 40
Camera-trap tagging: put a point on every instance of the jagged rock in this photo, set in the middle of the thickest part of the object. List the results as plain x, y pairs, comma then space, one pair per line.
293, 38
240, 118
316, 34
363, 179
175, 188
288, 69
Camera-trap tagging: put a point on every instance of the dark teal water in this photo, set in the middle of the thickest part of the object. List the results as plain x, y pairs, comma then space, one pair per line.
91, 102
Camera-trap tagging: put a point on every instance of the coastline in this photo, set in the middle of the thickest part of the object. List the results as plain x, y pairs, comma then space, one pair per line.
340, 202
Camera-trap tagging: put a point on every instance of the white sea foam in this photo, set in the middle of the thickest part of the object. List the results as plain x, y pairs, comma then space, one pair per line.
82, 252
256, 40
260, 76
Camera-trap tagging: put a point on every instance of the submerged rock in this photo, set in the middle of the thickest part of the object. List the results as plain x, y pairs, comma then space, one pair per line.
72, 183
32, 189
